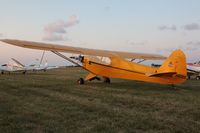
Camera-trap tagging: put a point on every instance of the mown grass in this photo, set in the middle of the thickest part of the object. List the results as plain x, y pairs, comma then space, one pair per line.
54, 102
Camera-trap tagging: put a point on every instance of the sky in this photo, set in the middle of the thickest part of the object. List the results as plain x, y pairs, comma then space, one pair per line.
153, 26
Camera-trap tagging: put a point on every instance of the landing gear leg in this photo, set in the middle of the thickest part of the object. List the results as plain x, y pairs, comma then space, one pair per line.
106, 80
91, 77
81, 81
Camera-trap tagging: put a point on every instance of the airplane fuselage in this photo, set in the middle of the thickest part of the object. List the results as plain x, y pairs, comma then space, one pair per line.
121, 68
193, 67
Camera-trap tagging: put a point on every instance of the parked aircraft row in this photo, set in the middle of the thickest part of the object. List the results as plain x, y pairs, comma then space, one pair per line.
16, 66
194, 70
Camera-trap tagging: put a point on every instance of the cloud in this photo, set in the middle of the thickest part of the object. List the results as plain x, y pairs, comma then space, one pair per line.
165, 27
189, 47
192, 26
56, 27
107, 8
192, 48
56, 31
192, 43
136, 43
53, 37
165, 49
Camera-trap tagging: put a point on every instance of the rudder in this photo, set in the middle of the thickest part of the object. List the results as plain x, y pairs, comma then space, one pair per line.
175, 64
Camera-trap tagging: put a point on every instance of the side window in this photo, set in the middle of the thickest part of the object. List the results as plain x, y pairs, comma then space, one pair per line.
107, 60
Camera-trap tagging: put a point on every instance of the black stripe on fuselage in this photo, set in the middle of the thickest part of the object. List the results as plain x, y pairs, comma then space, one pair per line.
91, 62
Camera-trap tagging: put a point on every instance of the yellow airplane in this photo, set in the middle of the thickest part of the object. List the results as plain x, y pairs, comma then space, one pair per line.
172, 71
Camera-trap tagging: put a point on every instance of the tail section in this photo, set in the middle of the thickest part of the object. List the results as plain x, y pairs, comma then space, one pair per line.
173, 66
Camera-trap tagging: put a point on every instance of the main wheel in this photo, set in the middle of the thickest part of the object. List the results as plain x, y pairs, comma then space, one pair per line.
24, 72
198, 77
106, 80
81, 81
2, 72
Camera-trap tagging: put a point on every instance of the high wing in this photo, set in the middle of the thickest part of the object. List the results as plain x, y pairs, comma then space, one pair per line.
82, 51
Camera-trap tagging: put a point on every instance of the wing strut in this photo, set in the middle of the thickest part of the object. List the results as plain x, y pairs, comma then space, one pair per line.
42, 58
70, 60
66, 58
16, 61
141, 61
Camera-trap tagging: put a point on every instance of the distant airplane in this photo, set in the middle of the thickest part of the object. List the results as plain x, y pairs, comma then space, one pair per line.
11, 67
194, 70
15, 66
113, 64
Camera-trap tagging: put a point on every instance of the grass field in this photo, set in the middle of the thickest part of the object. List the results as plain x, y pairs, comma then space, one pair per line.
53, 102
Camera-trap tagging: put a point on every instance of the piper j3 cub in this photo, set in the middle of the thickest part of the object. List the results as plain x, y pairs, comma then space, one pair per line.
172, 71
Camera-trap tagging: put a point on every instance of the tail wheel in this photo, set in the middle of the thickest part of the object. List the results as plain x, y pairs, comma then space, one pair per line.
106, 80
80, 81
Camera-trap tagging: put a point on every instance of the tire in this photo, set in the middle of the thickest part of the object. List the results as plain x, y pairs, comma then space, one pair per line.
198, 77
80, 81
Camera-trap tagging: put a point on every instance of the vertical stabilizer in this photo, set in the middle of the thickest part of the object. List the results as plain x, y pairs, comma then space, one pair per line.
175, 63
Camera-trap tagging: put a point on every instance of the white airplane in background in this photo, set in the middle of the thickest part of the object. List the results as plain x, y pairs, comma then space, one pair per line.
40, 66
193, 70
12, 66
15, 66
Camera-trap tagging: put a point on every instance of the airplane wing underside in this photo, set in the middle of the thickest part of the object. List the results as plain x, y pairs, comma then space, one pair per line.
82, 51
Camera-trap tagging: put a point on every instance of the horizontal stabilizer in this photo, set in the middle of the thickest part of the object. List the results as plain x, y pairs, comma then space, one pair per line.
164, 74
174, 66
